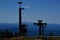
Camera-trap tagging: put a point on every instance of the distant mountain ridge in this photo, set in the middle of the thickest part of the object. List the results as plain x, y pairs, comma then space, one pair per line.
32, 29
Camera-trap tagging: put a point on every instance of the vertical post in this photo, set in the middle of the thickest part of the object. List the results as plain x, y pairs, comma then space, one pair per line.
20, 18
42, 31
40, 24
22, 28
44, 25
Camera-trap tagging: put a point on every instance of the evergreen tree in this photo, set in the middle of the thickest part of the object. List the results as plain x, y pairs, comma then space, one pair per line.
51, 34
6, 34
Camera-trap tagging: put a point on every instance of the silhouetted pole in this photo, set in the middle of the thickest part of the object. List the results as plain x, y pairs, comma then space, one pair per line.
20, 17
41, 27
22, 28
44, 25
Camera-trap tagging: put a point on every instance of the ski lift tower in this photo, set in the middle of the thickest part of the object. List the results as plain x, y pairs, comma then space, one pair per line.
41, 27
22, 28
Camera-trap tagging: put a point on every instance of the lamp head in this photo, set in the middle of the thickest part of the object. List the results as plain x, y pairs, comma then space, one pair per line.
19, 2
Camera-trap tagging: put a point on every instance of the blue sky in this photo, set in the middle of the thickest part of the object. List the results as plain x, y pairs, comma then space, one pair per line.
47, 10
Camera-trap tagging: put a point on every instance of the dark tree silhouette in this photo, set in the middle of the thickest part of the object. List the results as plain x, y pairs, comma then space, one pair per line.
51, 34
6, 34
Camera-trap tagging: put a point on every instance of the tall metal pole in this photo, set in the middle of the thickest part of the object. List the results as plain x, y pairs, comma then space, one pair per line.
20, 18
22, 28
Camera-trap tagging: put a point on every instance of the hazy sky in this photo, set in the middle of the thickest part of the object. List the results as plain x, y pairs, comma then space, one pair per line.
47, 10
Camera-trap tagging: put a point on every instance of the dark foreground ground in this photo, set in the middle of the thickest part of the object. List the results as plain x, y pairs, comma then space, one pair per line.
33, 38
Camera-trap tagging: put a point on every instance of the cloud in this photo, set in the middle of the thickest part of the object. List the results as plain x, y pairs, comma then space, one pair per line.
27, 7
